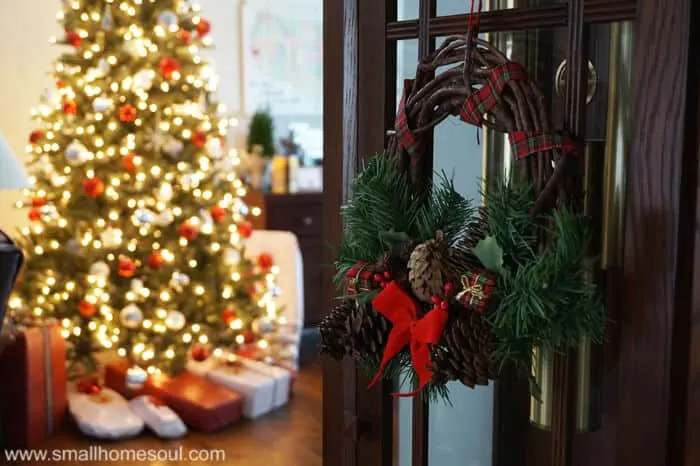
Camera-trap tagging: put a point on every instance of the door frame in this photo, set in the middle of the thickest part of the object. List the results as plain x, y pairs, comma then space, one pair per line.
656, 372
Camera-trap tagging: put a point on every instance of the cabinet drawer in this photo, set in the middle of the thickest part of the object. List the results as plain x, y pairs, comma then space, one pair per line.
300, 214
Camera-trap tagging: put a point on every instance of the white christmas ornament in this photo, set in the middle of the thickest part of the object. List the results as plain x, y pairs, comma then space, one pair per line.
100, 71
143, 80
209, 76
131, 316
51, 97
76, 153
173, 147
143, 217
111, 237
99, 270
165, 192
164, 218
104, 415
48, 211
102, 104
107, 19
137, 285
168, 20
135, 378
175, 320
136, 48
158, 417
179, 280
232, 256
263, 325
214, 148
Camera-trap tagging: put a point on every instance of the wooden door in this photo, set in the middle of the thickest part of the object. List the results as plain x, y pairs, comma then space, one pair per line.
640, 389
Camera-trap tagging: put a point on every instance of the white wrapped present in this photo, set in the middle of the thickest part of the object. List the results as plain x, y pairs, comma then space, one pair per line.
158, 417
280, 377
104, 414
257, 390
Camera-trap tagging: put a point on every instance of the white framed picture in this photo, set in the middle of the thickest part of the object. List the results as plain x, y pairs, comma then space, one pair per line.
282, 48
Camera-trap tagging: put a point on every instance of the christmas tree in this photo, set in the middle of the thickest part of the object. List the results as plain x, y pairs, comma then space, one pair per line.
137, 233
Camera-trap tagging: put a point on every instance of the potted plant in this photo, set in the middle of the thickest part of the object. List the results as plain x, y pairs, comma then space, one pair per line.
260, 146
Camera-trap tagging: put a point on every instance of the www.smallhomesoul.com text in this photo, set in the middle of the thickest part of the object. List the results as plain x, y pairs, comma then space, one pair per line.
98, 453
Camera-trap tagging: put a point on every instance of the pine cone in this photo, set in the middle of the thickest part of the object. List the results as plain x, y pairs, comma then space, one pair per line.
467, 352
426, 268
335, 331
369, 333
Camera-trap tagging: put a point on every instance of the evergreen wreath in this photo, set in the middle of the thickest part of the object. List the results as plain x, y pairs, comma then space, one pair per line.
434, 289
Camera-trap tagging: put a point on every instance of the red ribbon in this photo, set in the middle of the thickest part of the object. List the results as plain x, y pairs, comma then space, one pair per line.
402, 311
89, 387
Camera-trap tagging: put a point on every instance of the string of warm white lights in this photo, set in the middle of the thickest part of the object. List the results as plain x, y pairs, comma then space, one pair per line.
137, 234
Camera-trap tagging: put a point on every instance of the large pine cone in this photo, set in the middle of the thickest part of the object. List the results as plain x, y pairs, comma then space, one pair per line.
369, 333
426, 268
353, 331
467, 354
335, 331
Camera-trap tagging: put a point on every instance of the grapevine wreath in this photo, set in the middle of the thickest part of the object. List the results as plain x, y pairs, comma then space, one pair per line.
438, 290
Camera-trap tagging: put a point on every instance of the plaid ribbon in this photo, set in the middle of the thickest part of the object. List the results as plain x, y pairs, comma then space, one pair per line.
405, 136
523, 143
480, 102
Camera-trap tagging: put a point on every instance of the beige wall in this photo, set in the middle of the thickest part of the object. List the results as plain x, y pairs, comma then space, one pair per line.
26, 56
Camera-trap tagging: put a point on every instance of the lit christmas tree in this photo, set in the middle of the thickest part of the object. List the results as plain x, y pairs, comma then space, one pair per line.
137, 232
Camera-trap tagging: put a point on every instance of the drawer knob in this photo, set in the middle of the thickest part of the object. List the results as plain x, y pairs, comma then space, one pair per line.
307, 221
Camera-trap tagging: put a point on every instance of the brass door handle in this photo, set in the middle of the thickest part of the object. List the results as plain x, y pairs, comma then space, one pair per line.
562, 73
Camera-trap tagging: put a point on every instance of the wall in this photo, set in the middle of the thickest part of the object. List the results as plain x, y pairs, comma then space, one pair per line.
27, 57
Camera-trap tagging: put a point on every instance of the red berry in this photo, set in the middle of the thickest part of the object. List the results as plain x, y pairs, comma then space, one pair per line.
127, 113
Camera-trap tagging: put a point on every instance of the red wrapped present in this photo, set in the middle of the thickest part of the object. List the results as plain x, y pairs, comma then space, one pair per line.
477, 288
201, 403
33, 394
363, 277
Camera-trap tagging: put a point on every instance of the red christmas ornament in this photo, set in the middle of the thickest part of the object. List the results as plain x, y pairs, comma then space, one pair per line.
199, 139
34, 214
203, 27
39, 201
89, 387
245, 229
218, 213
128, 163
229, 315
73, 38
248, 336
70, 107
93, 187
184, 36
127, 113
265, 261
168, 66
188, 231
127, 268
86, 308
200, 353
60, 84
155, 260
36, 136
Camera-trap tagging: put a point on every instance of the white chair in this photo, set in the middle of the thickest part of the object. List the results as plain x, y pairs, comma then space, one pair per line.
284, 248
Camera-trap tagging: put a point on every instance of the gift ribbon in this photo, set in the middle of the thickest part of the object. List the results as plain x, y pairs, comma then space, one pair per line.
236, 366
475, 289
402, 311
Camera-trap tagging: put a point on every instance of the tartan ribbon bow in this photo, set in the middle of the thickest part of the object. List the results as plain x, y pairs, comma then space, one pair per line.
482, 101
402, 311
524, 143
405, 136
475, 289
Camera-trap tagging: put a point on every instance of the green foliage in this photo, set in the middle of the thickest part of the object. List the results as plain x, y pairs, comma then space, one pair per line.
261, 132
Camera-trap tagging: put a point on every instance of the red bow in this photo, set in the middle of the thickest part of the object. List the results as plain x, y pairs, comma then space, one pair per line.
401, 310
89, 386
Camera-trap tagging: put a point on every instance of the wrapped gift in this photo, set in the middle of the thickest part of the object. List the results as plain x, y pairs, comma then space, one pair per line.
201, 403
103, 413
264, 388
33, 395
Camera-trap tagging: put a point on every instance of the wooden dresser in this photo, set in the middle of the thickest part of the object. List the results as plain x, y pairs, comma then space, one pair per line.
302, 215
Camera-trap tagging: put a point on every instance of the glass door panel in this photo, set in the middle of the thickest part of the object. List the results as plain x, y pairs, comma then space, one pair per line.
460, 7
407, 9
461, 434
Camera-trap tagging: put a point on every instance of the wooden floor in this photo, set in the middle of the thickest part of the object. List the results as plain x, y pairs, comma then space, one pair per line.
288, 437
